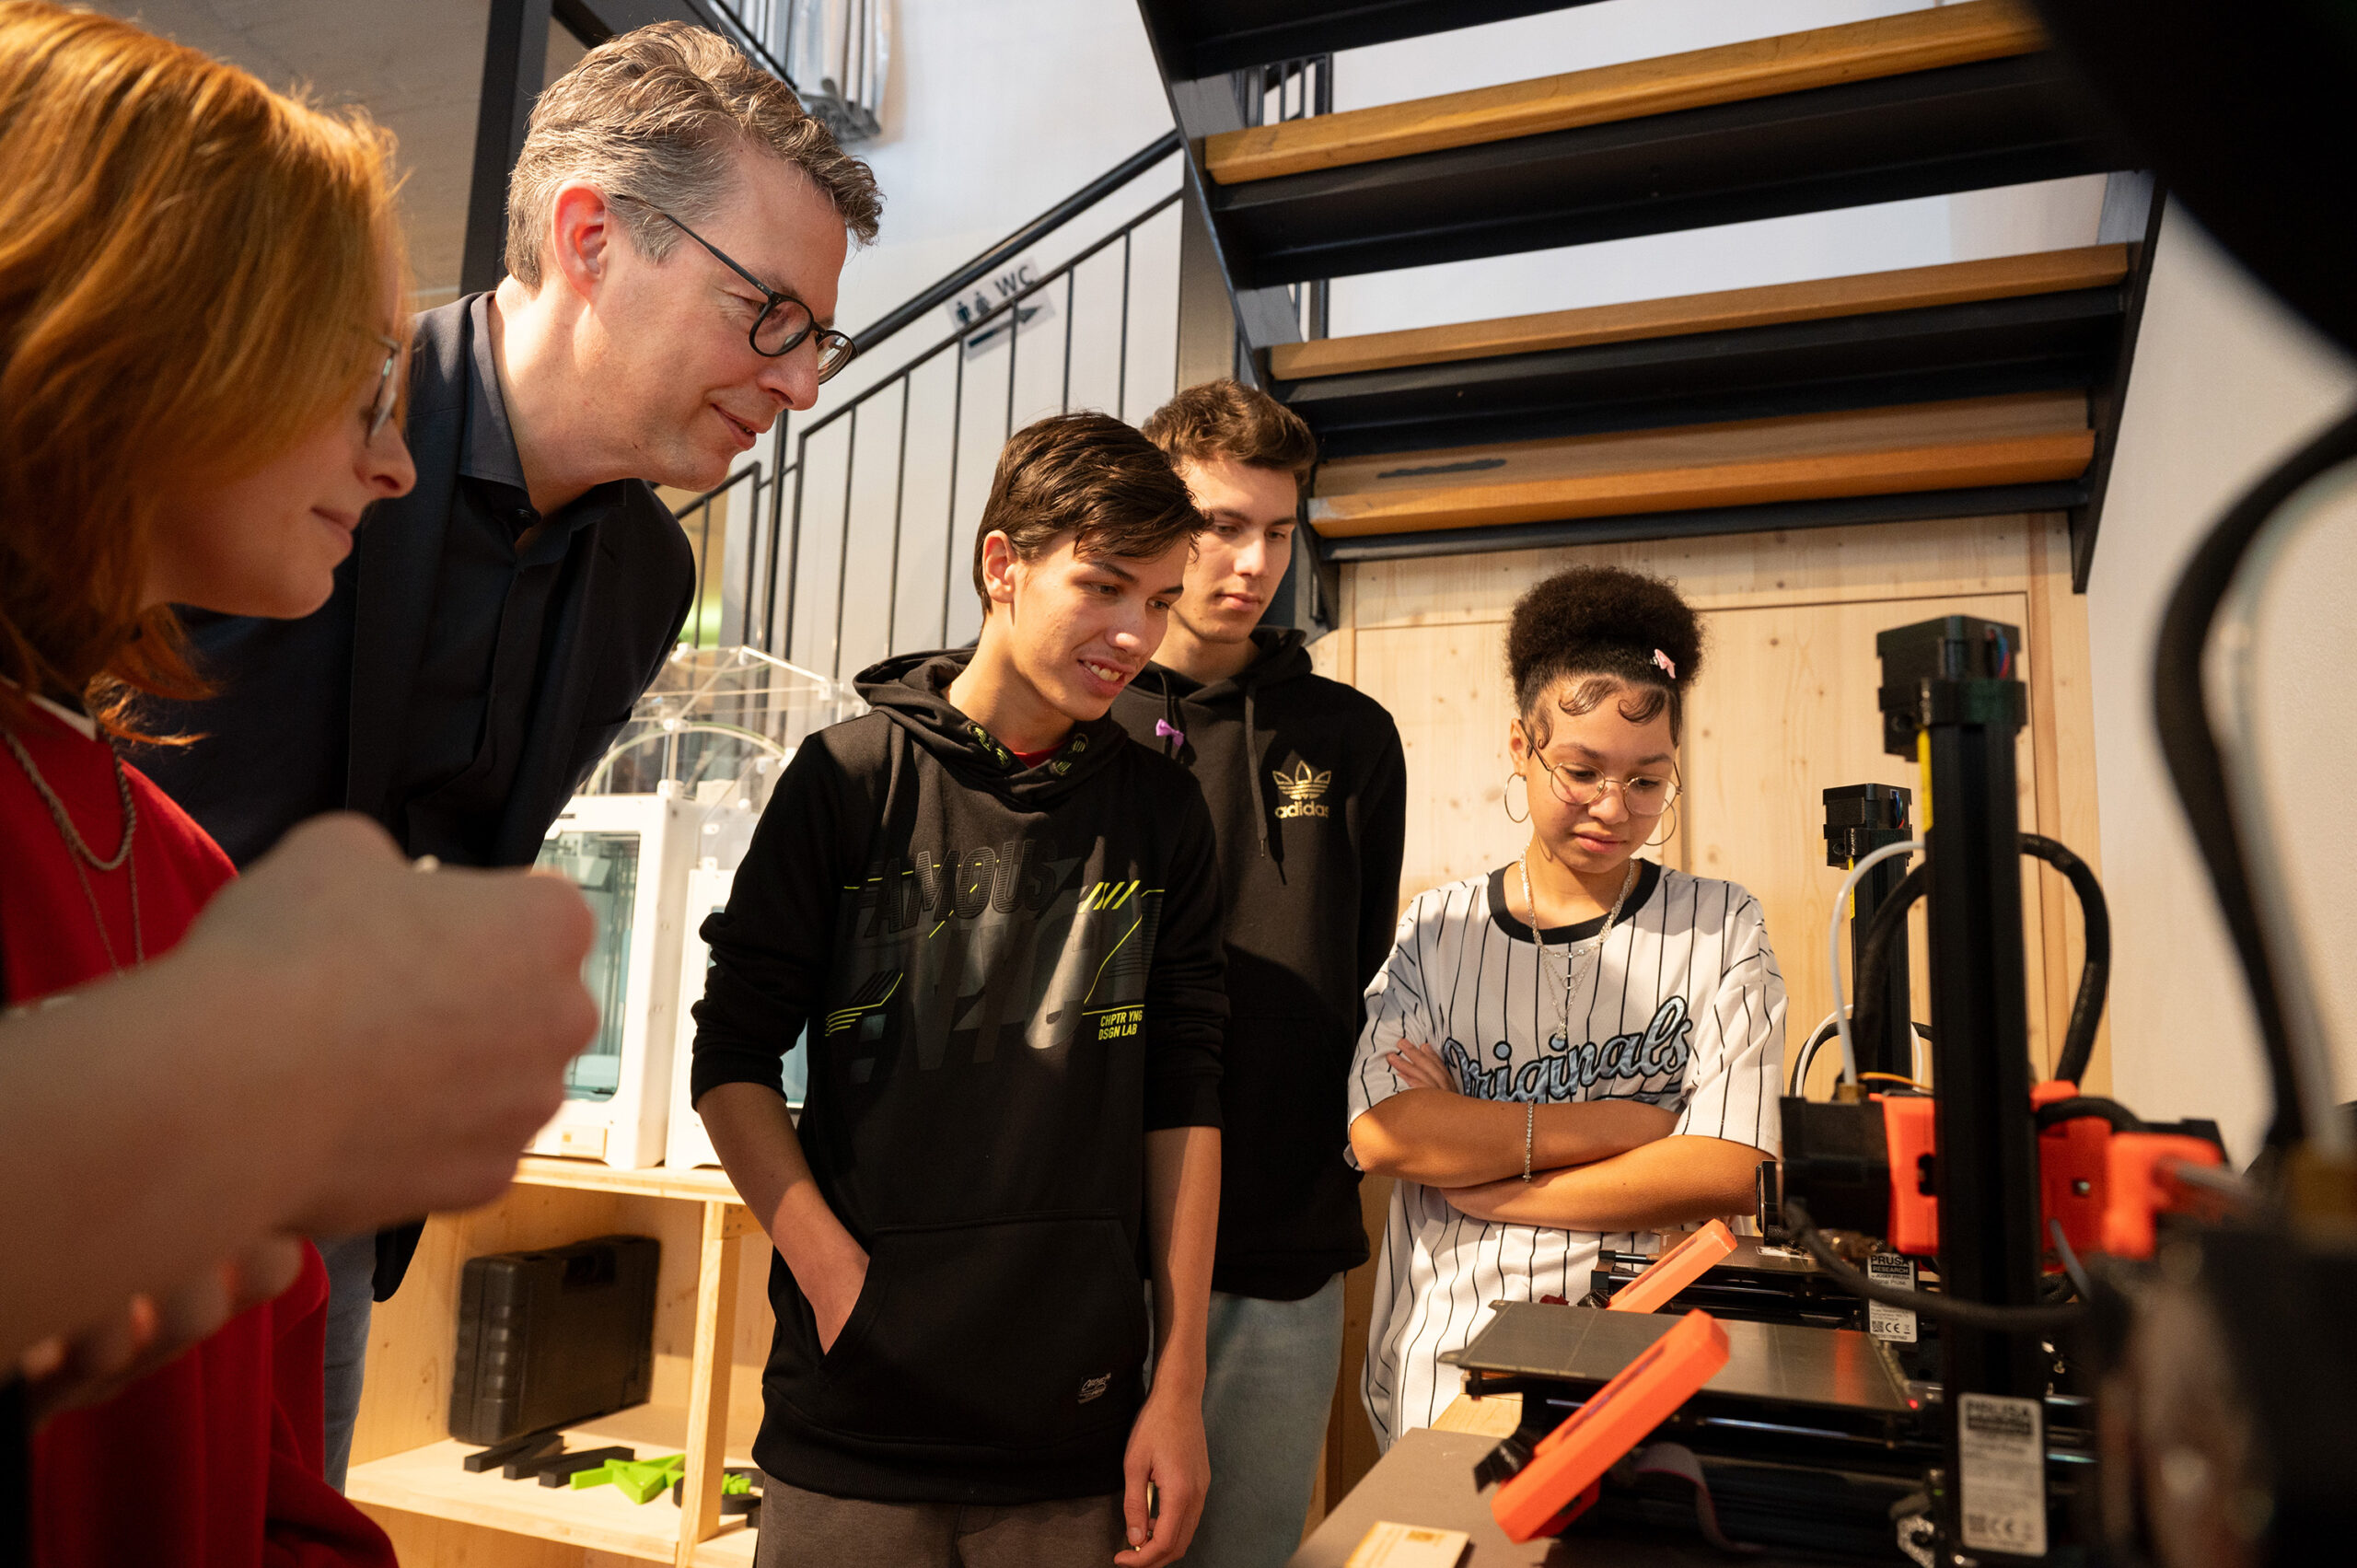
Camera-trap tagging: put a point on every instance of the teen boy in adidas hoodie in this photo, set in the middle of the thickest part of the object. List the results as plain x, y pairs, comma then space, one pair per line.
1000, 920
1305, 783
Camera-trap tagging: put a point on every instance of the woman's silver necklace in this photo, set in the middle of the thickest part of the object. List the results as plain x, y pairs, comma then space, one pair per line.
80, 853
1571, 975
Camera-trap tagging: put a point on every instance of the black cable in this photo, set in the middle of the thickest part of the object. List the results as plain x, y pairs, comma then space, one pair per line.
1939, 1309
2095, 970
1888, 925
2190, 746
2123, 1119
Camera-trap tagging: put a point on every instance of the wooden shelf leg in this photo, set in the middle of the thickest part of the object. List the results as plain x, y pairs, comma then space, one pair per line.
707, 1446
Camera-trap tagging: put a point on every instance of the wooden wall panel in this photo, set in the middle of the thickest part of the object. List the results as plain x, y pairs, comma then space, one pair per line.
1785, 707
1967, 555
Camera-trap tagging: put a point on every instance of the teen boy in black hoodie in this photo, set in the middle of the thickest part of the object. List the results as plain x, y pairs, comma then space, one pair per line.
1000, 920
1307, 787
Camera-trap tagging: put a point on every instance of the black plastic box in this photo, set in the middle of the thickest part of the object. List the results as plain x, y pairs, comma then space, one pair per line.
548, 1339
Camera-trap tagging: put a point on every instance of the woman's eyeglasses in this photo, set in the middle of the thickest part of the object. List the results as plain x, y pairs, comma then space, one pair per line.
1643, 795
380, 412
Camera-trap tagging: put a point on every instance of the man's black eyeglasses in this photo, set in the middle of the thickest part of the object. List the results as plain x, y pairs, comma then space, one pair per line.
784, 321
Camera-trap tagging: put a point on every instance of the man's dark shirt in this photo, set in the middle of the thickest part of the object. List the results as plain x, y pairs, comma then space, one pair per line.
453, 688
488, 640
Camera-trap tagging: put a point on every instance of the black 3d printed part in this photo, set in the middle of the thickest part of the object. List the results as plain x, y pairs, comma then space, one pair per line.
551, 1337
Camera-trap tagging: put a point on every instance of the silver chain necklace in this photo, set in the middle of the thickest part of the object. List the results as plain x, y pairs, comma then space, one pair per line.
79, 853
1570, 975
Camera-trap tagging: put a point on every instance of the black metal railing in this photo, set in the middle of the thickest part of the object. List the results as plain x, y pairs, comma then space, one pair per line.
837, 71
871, 501
1271, 95
708, 616
849, 545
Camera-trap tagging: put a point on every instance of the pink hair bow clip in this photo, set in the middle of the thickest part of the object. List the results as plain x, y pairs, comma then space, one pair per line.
1667, 668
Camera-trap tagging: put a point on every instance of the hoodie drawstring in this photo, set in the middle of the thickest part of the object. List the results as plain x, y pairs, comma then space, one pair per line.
1252, 774
1172, 737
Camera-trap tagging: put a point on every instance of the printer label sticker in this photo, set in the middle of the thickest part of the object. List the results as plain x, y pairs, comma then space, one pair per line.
2000, 1450
1893, 1323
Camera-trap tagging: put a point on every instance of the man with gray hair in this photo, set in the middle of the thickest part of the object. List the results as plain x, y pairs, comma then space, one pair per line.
676, 226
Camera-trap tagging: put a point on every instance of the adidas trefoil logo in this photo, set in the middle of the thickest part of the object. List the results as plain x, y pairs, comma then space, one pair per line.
1093, 1387
1302, 788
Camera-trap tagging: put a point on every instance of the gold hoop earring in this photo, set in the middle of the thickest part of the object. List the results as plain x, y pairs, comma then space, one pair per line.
1657, 843
1505, 799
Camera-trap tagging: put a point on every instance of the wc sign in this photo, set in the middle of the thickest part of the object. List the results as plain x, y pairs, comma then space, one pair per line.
977, 305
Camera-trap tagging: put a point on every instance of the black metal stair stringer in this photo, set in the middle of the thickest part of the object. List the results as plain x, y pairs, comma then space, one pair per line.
2035, 343
1207, 38
1932, 132
2005, 501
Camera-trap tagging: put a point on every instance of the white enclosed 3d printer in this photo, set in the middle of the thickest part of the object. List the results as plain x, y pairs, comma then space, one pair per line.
653, 843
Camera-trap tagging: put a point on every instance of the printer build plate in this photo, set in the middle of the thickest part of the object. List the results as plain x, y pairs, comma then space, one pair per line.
1780, 1363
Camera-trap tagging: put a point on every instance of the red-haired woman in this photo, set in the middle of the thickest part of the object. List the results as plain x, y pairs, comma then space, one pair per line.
200, 314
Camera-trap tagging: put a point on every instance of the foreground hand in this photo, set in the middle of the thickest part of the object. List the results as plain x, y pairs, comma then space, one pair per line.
66, 1372
425, 1021
1167, 1447
1421, 1067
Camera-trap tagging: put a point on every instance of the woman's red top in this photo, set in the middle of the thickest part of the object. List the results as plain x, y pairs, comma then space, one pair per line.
216, 1461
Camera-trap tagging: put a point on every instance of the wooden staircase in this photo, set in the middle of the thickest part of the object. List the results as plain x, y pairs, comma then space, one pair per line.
1965, 389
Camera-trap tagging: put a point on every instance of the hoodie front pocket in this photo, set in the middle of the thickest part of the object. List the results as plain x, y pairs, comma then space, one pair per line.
1014, 1335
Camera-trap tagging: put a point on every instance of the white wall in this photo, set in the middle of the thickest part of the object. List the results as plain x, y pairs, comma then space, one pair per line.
2227, 383
996, 109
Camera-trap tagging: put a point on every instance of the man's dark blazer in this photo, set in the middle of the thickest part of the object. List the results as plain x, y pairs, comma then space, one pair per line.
626, 597
630, 581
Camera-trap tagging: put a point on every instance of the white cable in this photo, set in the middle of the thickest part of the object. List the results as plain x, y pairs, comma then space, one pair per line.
1833, 947
1807, 1061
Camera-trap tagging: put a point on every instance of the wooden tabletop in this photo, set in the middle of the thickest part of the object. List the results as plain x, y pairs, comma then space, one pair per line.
1427, 1479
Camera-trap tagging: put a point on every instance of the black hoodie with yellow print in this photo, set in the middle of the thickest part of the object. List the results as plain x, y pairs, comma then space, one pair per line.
1307, 784
1010, 975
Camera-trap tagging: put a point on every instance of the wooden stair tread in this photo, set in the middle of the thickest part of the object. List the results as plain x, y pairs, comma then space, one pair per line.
1883, 46
2023, 439
1911, 288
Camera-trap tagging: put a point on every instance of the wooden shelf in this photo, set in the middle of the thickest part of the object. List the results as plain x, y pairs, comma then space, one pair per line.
704, 1186
1885, 46
1865, 294
430, 1481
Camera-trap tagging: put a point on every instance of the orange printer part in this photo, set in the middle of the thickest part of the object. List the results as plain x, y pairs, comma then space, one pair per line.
1914, 1205
2105, 1187
1676, 1269
2071, 1169
1568, 1464
2140, 1185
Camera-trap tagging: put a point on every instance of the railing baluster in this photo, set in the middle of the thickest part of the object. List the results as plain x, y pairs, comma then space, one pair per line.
704, 569
793, 546
1064, 403
1121, 388
843, 549
1014, 328
949, 524
900, 491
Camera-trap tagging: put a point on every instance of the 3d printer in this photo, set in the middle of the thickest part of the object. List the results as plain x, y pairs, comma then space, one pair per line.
652, 841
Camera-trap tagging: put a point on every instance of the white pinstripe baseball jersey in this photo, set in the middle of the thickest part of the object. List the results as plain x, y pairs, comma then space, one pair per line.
1685, 1009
